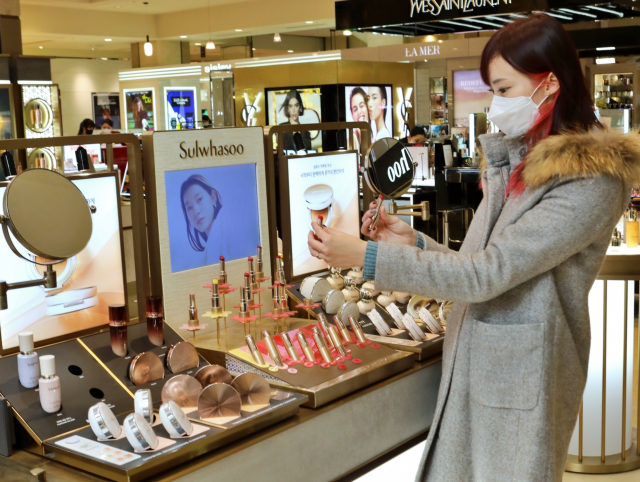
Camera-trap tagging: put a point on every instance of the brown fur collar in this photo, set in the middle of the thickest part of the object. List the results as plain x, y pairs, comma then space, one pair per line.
584, 154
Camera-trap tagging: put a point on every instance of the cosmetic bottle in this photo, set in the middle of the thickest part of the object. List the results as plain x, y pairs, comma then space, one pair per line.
356, 274
193, 311
370, 285
49, 385
118, 329
223, 272
335, 280
351, 293
401, 297
386, 298
632, 229
155, 327
215, 297
38, 116
366, 304
306, 348
259, 264
32, 116
28, 364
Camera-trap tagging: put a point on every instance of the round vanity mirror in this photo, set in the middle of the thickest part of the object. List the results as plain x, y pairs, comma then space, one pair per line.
389, 168
47, 214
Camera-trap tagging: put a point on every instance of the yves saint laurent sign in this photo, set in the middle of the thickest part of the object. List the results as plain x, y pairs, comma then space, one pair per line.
435, 7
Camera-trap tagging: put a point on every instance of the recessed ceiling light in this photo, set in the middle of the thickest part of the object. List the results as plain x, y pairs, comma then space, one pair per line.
253, 48
238, 30
198, 44
309, 21
104, 58
92, 48
117, 6
608, 60
41, 47
605, 48
290, 51
107, 40
183, 36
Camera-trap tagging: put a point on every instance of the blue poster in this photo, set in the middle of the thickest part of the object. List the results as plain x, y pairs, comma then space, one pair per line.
180, 109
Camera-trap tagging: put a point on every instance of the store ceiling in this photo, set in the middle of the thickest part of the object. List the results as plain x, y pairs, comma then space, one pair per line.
133, 6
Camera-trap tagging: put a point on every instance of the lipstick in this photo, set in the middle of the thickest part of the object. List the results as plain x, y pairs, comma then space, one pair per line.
155, 328
272, 348
252, 274
247, 288
322, 346
193, 311
223, 273
284, 300
320, 223
291, 350
118, 329
259, 265
280, 266
244, 303
306, 349
376, 215
357, 329
341, 328
322, 319
215, 297
257, 356
277, 306
337, 343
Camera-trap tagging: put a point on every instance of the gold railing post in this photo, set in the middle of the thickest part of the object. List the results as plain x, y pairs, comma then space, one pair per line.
604, 376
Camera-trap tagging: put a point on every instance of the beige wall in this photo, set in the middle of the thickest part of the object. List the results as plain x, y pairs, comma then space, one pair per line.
77, 79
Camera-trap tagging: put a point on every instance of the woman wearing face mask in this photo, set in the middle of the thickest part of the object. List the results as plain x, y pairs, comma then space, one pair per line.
378, 105
107, 127
555, 184
86, 127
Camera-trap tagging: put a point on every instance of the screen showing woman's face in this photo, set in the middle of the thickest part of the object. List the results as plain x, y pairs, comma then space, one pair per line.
294, 109
376, 103
359, 109
199, 206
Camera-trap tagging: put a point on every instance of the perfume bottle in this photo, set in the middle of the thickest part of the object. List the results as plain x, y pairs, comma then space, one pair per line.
49, 385
118, 329
632, 229
155, 327
28, 363
38, 116
351, 293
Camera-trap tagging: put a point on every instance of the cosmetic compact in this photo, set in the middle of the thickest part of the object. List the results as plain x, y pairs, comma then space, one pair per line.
182, 389
417, 302
182, 356
318, 200
219, 400
139, 433
350, 292
428, 319
366, 304
381, 326
103, 422
72, 300
174, 421
356, 274
314, 288
145, 368
333, 301
386, 298
348, 308
252, 388
213, 374
412, 328
401, 297
370, 285
143, 404
396, 314
335, 279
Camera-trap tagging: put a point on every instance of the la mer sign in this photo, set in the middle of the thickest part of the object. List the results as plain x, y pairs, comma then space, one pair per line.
422, 51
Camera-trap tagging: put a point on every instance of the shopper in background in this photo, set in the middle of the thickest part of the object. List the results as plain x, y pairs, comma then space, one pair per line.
417, 135
378, 105
293, 110
107, 127
206, 122
86, 128
517, 347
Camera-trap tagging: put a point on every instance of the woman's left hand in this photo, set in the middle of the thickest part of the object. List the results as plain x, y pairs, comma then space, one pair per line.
336, 247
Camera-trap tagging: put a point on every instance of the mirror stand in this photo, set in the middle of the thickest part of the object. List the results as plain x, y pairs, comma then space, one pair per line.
423, 208
49, 280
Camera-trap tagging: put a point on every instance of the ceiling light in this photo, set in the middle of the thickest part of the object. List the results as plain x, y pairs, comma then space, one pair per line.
309, 21
607, 10
605, 48
555, 15
238, 30
104, 58
183, 36
347, 33
606, 60
148, 48
197, 44
253, 48
290, 51
578, 12
107, 40
276, 37
41, 47
210, 45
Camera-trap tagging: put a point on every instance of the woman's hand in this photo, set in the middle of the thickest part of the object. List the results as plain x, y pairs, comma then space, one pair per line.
390, 229
336, 247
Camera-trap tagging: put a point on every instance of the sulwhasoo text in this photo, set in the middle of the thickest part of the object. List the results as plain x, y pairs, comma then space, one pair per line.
209, 150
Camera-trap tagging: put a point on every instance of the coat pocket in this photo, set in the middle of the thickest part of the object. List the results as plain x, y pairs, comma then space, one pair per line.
506, 364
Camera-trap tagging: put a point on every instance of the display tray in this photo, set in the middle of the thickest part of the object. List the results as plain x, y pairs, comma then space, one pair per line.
366, 363
400, 340
100, 345
116, 460
83, 382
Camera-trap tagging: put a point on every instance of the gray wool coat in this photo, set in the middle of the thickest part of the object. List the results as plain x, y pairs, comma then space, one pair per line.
517, 345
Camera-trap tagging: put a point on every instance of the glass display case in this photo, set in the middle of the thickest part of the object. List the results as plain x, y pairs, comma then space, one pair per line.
439, 101
613, 96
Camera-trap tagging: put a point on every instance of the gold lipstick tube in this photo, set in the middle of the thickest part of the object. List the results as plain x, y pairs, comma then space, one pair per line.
223, 272
215, 297
284, 300
193, 311
322, 346
306, 348
291, 350
280, 264
357, 330
277, 306
376, 215
257, 356
259, 264
322, 319
252, 274
247, 286
341, 328
244, 303
337, 343
272, 348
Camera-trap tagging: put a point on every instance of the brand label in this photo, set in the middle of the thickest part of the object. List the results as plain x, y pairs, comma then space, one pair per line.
435, 7
393, 171
423, 51
209, 150
215, 68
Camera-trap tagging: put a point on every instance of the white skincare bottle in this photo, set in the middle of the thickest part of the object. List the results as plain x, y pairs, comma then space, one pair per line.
49, 385
28, 364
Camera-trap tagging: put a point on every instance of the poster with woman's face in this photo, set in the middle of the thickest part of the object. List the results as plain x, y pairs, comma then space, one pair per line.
371, 104
296, 106
106, 106
140, 111
212, 212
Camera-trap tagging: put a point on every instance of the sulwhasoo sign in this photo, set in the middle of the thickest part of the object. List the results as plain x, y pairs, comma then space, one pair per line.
435, 7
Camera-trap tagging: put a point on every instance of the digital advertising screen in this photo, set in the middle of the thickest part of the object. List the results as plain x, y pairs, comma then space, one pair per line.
212, 212
181, 107
140, 109
321, 185
371, 104
470, 96
87, 283
300, 105
106, 106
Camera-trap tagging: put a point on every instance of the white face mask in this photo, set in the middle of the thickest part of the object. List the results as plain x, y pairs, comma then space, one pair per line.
515, 115
106, 130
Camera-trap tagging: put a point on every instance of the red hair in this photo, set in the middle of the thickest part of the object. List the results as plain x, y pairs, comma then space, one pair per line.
537, 46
